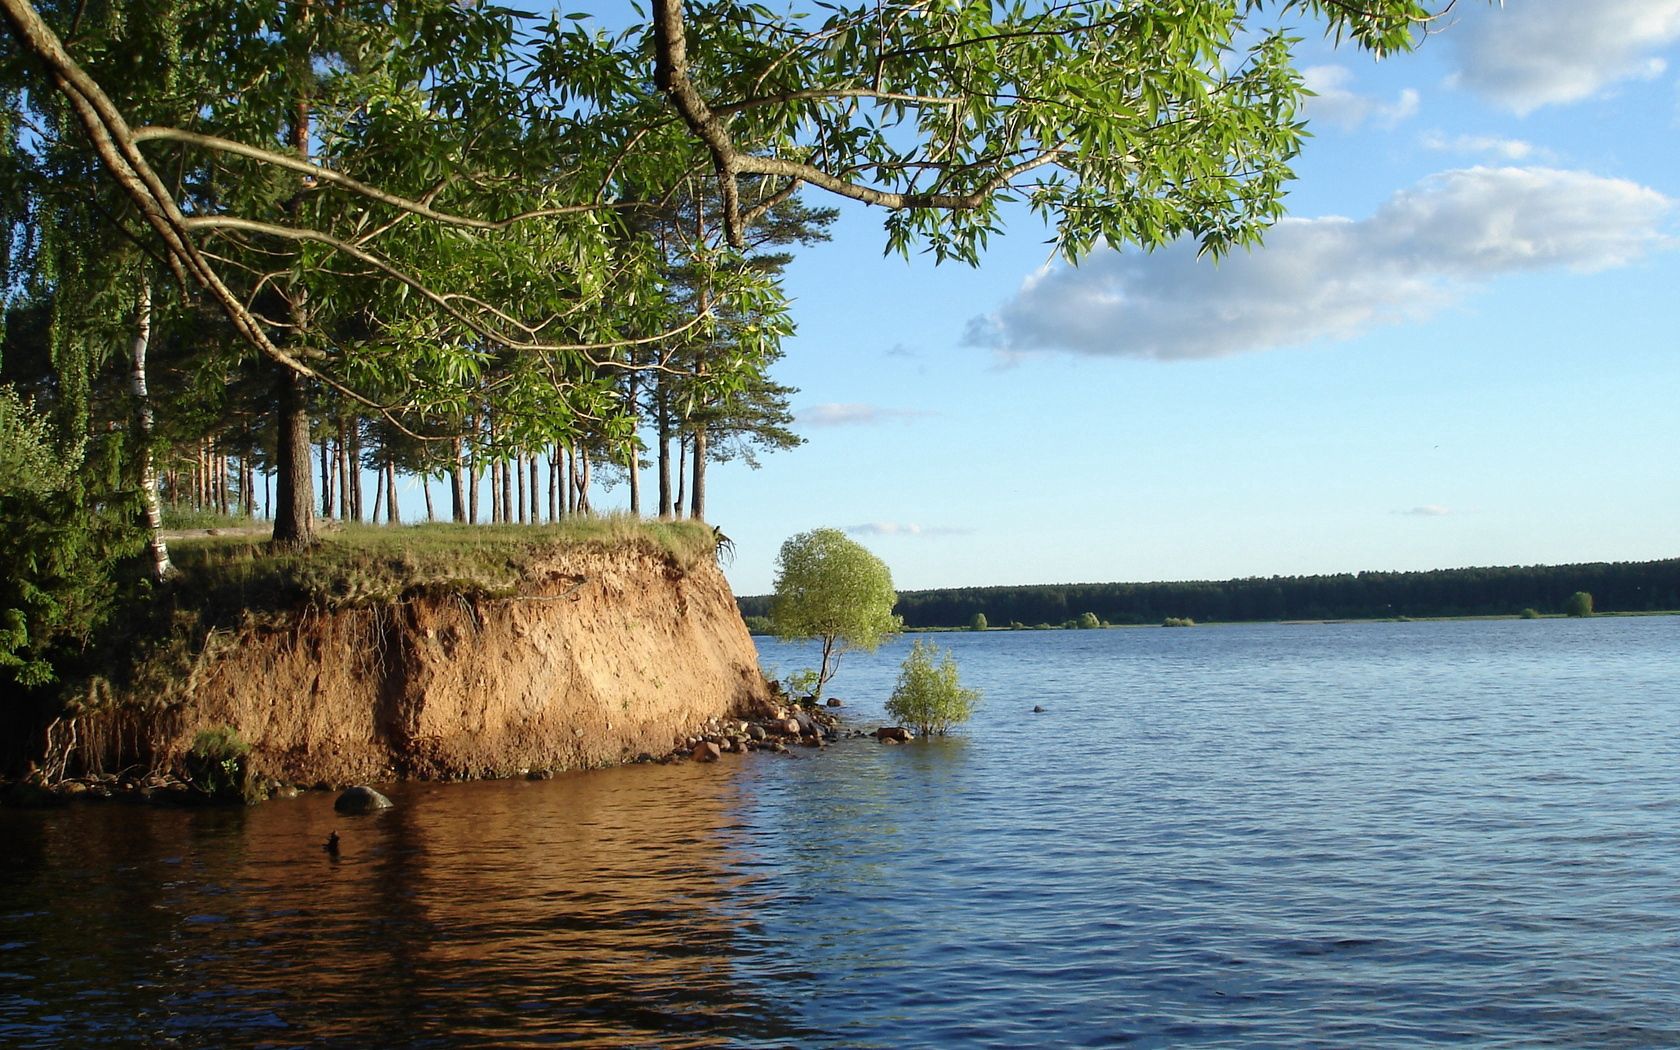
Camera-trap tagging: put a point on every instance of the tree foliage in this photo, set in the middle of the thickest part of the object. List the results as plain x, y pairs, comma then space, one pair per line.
928, 694
831, 588
57, 553
1579, 604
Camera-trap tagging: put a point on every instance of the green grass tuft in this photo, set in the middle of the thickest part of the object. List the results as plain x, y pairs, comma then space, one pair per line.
361, 565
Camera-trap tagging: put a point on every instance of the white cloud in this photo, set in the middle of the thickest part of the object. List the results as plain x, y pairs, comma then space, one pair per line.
1533, 53
1502, 148
1428, 510
895, 528
1334, 101
1332, 278
840, 414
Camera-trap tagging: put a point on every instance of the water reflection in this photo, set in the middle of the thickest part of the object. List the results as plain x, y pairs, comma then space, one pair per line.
597, 909
1339, 836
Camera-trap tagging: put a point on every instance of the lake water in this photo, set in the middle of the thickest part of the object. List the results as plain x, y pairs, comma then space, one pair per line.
1329, 835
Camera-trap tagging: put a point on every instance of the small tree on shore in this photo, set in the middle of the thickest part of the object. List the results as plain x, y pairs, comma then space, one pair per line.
832, 588
978, 623
1580, 604
928, 695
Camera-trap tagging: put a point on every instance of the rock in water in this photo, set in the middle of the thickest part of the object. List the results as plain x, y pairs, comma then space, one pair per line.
361, 799
893, 735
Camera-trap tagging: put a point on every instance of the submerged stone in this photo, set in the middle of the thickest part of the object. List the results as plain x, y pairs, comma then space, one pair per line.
361, 799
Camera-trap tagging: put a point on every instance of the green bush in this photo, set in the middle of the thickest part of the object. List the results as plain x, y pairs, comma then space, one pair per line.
59, 548
1580, 604
759, 625
217, 766
1178, 621
1530, 614
928, 695
1087, 621
978, 623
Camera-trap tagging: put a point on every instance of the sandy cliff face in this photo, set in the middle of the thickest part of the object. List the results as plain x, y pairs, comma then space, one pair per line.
605, 654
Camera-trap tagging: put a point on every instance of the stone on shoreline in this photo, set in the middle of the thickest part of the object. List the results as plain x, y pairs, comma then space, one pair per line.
706, 751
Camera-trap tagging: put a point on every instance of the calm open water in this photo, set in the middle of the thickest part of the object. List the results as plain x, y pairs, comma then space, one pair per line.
1343, 835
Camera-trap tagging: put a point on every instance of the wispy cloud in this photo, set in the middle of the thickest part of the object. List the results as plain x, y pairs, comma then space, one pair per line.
1543, 52
842, 414
1332, 278
895, 528
1427, 510
1335, 101
900, 350
1486, 145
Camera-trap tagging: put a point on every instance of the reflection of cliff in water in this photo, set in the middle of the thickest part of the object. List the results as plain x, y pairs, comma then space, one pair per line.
595, 909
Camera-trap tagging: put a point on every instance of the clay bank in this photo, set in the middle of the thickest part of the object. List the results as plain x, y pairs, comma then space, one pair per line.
580, 655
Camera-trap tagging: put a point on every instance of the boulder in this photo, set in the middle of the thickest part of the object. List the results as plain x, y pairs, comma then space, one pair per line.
835, 701
1038, 709
361, 799
788, 727
706, 751
893, 735
756, 731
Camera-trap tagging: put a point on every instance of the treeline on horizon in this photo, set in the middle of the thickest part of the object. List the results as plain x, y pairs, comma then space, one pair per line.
1650, 586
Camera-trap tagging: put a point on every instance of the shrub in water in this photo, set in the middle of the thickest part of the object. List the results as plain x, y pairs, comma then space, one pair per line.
217, 768
928, 695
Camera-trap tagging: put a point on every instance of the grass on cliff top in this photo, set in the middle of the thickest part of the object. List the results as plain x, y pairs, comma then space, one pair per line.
364, 564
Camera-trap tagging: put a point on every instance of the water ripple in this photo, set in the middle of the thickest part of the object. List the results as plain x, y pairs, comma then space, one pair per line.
1348, 835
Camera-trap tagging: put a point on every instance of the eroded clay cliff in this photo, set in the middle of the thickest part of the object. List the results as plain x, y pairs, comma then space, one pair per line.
605, 653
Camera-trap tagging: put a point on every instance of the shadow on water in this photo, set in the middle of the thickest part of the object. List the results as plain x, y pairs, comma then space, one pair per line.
596, 909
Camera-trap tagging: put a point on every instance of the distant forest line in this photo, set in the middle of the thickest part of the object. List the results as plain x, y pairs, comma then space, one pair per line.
1651, 586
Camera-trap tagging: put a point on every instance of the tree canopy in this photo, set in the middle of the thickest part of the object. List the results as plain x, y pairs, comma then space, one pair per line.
436, 178
831, 588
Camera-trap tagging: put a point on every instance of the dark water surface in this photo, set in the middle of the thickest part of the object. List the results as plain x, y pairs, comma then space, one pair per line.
1343, 835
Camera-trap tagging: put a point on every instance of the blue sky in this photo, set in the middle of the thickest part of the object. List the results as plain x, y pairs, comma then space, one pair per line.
1459, 350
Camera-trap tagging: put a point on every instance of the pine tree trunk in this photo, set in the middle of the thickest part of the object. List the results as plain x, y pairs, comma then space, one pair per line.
632, 455
393, 512
426, 490
473, 471
341, 464
536, 506
553, 491
697, 499
294, 512
507, 494
223, 505
357, 492
666, 506
162, 569
682, 476
378, 493
326, 479
519, 486
294, 517
457, 495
